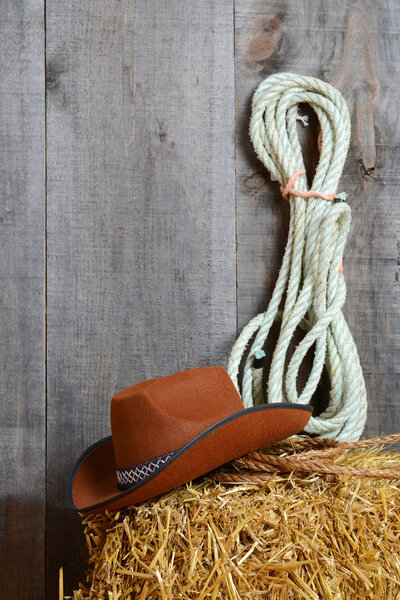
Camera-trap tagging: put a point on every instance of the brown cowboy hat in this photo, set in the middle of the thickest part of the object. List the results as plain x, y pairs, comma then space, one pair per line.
170, 430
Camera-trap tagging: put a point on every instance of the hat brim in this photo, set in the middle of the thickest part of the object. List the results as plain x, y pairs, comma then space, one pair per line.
92, 486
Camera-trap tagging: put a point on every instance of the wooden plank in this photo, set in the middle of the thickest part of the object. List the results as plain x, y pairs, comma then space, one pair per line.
141, 216
22, 276
355, 46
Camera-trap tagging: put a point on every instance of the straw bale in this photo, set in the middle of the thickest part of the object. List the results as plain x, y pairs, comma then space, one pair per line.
291, 536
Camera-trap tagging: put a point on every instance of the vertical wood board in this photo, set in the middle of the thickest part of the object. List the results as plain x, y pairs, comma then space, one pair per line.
22, 280
141, 216
354, 46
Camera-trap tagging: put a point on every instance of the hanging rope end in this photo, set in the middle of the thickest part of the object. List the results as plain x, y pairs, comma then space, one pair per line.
258, 360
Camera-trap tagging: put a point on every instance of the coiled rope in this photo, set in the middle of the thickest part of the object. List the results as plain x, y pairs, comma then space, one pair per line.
311, 272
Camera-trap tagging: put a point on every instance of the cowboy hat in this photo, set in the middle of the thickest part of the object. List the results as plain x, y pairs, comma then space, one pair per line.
170, 430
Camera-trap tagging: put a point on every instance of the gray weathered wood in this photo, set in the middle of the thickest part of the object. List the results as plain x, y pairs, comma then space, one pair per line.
355, 46
141, 248
22, 362
141, 216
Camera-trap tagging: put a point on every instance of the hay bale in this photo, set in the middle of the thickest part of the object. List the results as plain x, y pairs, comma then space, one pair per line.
310, 537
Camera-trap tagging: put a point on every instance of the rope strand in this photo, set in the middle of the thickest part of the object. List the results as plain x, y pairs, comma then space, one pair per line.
303, 454
288, 189
311, 273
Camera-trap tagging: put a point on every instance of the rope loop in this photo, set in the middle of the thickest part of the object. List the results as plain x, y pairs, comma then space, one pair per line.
311, 273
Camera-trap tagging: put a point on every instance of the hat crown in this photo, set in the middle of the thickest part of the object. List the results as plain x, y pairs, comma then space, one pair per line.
160, 415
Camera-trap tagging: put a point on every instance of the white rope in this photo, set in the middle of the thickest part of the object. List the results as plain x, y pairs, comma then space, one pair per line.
311, 271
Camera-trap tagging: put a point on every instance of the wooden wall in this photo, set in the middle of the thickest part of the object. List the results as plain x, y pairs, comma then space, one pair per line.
138, 231
22, 301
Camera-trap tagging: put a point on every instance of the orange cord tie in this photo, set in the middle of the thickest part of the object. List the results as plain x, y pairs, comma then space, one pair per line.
290, 191
286, 191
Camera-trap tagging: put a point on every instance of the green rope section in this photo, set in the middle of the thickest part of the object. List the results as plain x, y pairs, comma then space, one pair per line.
311, 273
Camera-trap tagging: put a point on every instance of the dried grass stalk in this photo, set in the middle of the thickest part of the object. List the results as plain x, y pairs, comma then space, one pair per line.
311, 536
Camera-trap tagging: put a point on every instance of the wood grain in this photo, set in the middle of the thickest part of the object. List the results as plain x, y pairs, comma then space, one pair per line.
22, 277
355, 46
141, 217
146, 107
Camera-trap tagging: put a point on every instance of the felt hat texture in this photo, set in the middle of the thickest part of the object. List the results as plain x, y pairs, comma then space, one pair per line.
169, 430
